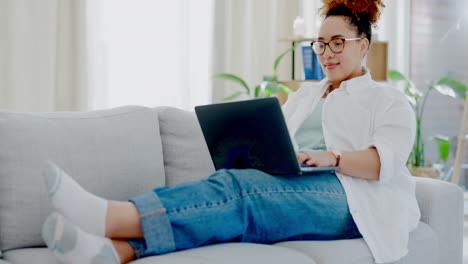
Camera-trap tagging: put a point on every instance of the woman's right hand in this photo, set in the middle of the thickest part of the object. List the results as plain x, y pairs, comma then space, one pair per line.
316, 159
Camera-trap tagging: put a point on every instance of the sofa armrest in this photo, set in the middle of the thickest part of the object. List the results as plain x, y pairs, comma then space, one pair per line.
441, 205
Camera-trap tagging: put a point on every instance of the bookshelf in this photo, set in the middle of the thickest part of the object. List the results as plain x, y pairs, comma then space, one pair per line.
293, 41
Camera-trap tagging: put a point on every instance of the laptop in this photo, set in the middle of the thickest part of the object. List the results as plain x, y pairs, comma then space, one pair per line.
251, 134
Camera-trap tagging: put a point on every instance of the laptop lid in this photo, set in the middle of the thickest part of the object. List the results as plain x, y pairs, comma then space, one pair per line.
248, 134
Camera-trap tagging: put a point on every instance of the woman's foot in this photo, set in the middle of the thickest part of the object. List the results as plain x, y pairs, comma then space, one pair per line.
85, 209
72, 245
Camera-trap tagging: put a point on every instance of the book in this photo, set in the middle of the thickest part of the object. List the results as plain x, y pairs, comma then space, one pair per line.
312, 68
307, 61
317, 71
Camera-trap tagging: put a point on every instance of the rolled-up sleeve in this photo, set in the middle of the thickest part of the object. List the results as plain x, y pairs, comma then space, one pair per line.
393, 135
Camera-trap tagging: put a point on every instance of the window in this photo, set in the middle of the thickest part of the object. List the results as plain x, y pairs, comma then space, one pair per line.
151, 52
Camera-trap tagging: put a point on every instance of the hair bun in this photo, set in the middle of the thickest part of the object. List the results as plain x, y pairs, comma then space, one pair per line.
369, 9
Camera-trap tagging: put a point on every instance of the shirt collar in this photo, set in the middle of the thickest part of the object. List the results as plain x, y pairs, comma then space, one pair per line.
354, 84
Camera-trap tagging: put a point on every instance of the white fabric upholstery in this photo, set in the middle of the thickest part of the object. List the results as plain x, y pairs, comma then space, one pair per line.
30, 255
229, 253
441, 205
423, 248
186, 156
114, 153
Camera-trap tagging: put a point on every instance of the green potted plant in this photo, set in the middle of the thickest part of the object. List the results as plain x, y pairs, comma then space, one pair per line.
447, 86
268, 87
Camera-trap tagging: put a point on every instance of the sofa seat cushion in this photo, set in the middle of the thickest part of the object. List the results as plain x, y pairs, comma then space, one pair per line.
114, 153
30, 255
423, 248
229, 253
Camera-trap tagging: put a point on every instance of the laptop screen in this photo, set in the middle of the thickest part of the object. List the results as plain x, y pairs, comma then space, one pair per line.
248, 134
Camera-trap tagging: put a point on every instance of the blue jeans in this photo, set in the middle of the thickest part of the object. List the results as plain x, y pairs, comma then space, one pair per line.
243, 205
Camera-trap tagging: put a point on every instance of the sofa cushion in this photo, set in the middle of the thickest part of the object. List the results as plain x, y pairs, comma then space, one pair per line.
229, 253
31, 255
423, 248
442, 207
186, 156
113, 153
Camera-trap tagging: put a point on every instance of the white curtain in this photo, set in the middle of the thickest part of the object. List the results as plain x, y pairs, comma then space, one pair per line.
151, 52
42, 62
247, 40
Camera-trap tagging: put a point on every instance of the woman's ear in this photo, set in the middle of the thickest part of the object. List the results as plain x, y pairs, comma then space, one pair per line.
364, 47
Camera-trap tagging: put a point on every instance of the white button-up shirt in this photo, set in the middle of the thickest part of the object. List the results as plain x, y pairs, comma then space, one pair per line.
360, 114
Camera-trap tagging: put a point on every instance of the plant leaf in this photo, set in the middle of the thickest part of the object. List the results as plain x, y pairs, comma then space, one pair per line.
262, 89
234, 78
232, 96
411, 100
396, 76
284, 88
443, 143
410, 89
257, 91
279, 58
451, 87
272, 88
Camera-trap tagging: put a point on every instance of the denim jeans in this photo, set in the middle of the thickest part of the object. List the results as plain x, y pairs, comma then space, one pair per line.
244, 205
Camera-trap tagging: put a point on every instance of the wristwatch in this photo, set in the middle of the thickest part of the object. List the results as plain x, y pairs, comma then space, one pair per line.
337, 154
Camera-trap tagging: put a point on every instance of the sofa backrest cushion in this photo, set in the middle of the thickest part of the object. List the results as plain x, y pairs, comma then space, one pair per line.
113, 153
186, 156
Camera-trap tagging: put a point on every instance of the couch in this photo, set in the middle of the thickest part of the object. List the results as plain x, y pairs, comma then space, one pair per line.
122, 152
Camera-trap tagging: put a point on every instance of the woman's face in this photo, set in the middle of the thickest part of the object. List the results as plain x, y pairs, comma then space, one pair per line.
345, 65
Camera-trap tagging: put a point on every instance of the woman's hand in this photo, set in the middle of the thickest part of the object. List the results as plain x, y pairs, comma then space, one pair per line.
317, 159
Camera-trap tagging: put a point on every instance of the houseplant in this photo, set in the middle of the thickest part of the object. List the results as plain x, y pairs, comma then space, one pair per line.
268, 87
447, 86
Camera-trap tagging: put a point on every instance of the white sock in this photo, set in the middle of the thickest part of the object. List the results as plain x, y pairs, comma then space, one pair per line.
72, 245
85, 209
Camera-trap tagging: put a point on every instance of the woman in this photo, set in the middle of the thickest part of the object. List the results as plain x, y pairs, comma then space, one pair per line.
364, 127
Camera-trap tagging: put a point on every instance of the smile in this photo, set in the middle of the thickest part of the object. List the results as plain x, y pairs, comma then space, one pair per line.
331, 66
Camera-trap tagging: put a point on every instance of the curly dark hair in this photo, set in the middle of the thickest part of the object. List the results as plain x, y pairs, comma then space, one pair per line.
363, 14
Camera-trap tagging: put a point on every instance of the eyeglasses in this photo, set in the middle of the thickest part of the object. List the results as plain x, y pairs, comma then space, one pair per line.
336, 45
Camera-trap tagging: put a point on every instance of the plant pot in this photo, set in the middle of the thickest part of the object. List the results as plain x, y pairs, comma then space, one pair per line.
428, 172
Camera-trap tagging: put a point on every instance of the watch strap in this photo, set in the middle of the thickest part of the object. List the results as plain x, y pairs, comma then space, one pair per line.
337, 155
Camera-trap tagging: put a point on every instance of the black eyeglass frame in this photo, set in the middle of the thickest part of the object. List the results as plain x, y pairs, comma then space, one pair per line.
327, 44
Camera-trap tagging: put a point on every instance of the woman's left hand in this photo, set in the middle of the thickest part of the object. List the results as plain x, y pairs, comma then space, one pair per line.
317, 159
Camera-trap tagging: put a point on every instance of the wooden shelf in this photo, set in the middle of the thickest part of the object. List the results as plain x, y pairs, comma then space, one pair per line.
293, 40
377, 60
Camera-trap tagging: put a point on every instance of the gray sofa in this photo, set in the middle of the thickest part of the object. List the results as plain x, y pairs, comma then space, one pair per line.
122, 152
